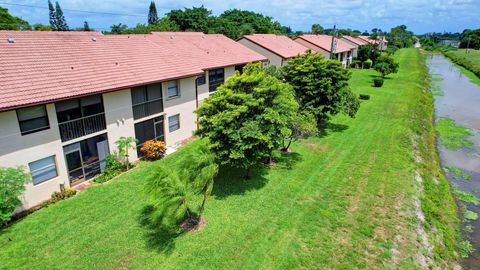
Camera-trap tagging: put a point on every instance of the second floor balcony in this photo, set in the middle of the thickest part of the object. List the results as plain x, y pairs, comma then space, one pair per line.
79, 127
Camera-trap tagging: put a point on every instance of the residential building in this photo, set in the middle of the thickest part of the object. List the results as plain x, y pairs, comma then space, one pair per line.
355, 42
67, 97
342, 51
450, 42
277, 48
380, 40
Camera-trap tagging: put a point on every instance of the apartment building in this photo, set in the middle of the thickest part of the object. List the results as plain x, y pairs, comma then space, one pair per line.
355, 42
381, 41
322, 44
277, 48
67, 97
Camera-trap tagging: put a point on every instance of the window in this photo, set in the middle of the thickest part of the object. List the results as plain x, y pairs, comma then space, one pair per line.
147, 100
172, 90
33, 119
43, 170
173, 122
151, 129
216, 77
201, 80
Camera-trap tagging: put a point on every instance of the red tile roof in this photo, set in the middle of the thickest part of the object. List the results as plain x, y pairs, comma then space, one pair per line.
42, 67
278, 44
373, 41
358, 41
325, 42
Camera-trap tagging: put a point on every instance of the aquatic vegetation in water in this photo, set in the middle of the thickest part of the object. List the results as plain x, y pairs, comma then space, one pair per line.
453, 137
437, 90
437, 79
467, 197
457, 173
470, 215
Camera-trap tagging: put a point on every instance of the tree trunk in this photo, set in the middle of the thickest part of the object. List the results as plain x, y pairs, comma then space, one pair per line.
202, 207
127, 162
285, 148
249, 172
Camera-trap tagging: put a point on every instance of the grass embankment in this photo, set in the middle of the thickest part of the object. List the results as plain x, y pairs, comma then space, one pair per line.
469, 62
347, 199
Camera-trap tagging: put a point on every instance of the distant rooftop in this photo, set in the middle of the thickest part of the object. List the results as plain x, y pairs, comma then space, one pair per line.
325, 42
278, 44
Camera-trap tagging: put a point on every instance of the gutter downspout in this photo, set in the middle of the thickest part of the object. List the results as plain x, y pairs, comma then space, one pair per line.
196, 98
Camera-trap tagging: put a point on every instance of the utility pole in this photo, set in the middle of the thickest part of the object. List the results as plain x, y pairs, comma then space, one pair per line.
468, 45
332, 46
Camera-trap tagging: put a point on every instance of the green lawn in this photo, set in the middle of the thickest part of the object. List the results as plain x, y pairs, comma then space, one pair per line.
470, 62
343, 200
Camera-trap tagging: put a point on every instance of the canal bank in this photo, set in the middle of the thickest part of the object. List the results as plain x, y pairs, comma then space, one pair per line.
457, 101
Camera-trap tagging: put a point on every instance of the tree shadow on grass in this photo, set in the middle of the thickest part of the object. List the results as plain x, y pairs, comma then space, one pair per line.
330, 128
158, 236
378, 76
232, 181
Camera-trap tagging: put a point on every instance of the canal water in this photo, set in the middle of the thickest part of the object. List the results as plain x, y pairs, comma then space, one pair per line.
460, 102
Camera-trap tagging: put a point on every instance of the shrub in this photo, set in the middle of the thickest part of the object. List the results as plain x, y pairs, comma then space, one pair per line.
386, 64
367, 64
153, 150
378, 82
62, 195
364, 97
356, 64
113, 168
12, 182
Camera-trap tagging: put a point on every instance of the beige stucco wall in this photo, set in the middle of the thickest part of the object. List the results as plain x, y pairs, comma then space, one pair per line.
119, 118
355, 51
18, 150
273, 59
184, 105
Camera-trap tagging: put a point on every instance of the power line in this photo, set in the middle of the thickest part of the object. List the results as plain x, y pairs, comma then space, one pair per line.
76, 10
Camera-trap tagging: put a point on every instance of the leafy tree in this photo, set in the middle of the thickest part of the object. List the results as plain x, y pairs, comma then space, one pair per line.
317, 29
152, 14
302, 125
42, 27
400, 37
470, 38
9, 22
86, 27
246, 119
321, 86
124, 144
174, 190
52, 15
118, 29
248, 22
12, 185
369, 51
386, 65
191, 19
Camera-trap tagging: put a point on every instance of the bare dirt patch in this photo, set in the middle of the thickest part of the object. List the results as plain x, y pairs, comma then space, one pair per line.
193, 224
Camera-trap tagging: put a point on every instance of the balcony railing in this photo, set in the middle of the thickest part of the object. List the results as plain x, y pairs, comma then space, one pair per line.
76, 128
147, 108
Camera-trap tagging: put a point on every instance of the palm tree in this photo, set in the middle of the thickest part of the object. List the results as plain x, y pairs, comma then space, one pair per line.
173, 191
124, 144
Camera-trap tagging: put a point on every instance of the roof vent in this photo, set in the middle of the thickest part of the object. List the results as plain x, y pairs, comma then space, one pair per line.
11, 40
171, 37
94, 39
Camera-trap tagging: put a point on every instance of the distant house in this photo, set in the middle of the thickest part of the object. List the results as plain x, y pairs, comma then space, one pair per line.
356, 42
277, 48
342, 51
381, 41
450, 42
66, 97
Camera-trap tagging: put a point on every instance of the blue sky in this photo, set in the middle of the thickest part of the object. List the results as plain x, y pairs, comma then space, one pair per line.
419, 15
